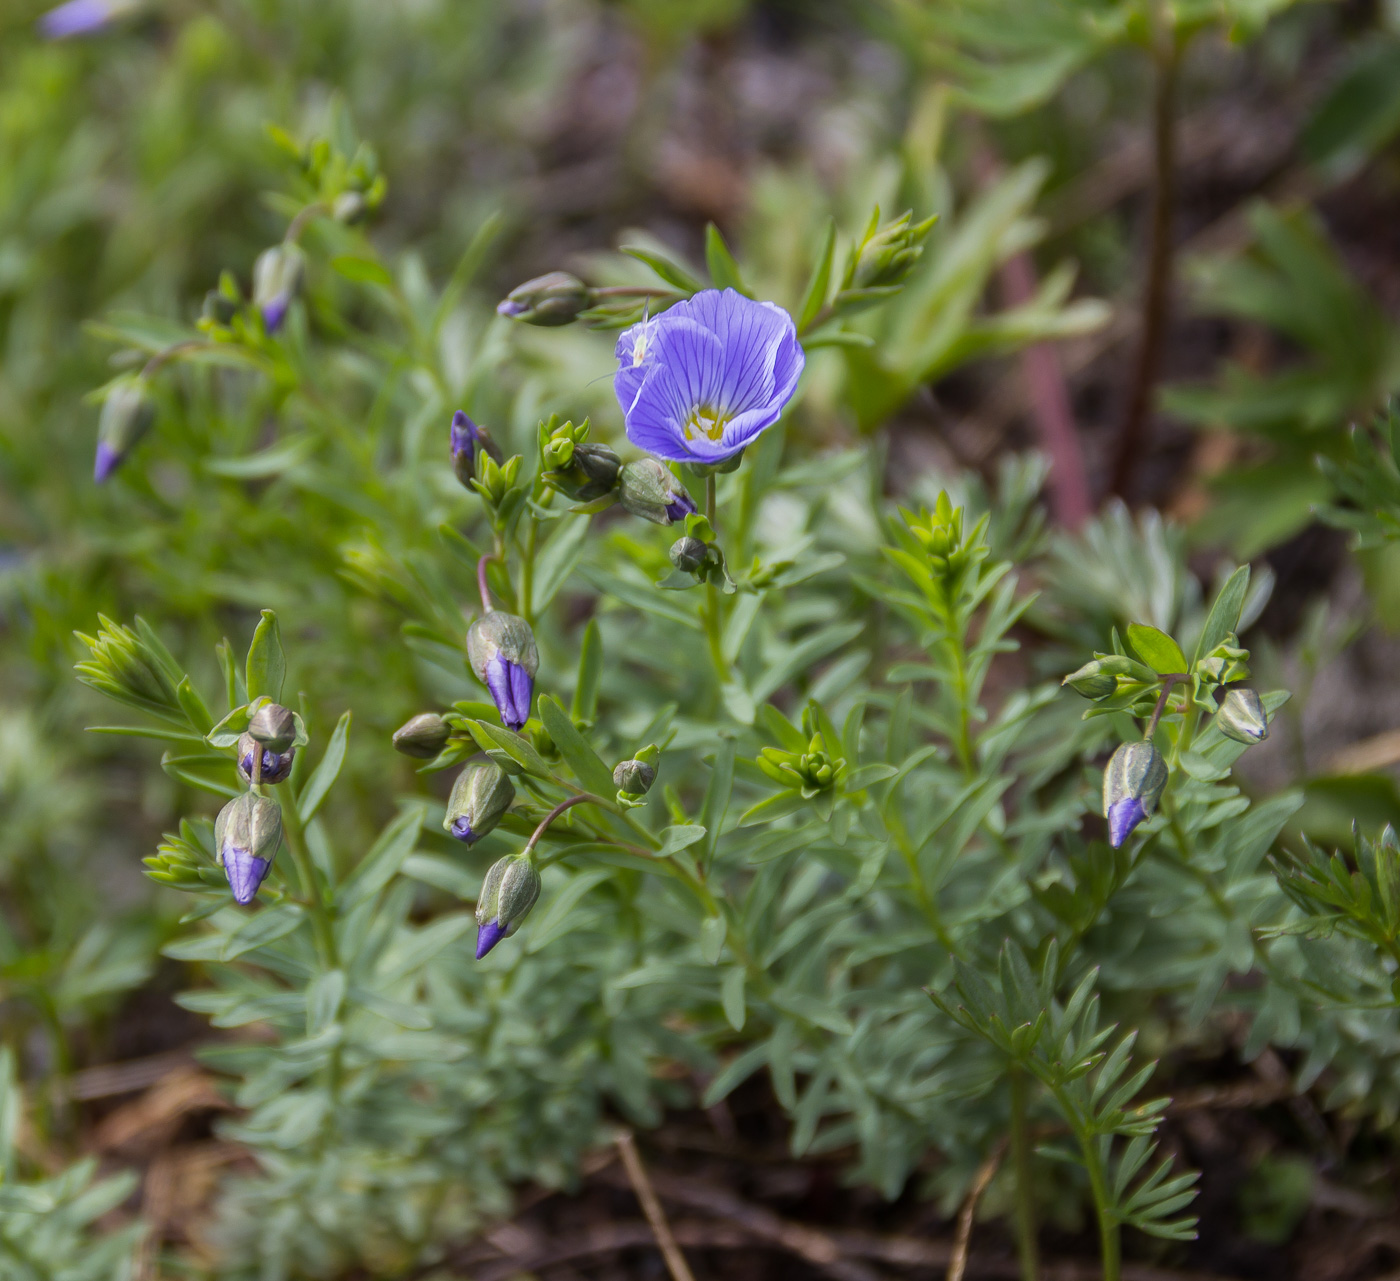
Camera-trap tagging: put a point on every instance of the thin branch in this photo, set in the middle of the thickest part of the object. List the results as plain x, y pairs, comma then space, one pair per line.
481, 586
651, 1207
1157, 290
962, 1243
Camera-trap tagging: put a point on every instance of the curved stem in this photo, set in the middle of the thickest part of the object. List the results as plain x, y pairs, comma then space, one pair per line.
581, 799
298, 224
486, 606
1172, 678
167, 354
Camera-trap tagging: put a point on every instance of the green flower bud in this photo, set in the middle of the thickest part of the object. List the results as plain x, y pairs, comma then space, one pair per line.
690, 555
633, 778
1242, 717
1092, 681
423, 737
1132, 786
555, 298
481, 794
887, 254
510, 890
127, 414
246, 836
648, 488
576, 469
274, 727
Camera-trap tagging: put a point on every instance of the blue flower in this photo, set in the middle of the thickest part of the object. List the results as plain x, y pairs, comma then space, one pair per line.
467, 438
700, 381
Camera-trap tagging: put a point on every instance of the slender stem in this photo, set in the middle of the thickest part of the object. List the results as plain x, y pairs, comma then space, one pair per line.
713, 631
167, 354
634, 291
581, 799
651, 1207
321, 925
1110, 1252
962, 1243
1172, 678
1155, 297
1021, 1164
486, 606
298, 224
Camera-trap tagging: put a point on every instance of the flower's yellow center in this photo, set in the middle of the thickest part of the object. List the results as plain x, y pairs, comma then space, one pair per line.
707, 420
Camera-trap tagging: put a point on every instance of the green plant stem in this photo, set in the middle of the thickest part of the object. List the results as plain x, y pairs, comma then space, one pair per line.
956, 642
1110, 1247
713, 630
322, 927
1021, 1166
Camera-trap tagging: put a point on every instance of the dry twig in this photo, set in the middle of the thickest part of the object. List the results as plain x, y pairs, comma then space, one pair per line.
651, 1207
957, 1265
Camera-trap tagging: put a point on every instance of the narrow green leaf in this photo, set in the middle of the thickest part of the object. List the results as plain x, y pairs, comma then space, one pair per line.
321, 782
732, 997
724, 271
573, 747
1224, 616
819, 283
267, 663
669, 271
590, 668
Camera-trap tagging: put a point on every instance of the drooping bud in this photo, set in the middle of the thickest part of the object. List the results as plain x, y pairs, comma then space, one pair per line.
277, 277
509, 892
633, 778
501, 650
422, 737
126, 415
274, 727
555, 298
689, 555
1242, 717
482, 793
276, 766
887, 254
649, 489
246, 836
1132, 786
467, 438
349, 207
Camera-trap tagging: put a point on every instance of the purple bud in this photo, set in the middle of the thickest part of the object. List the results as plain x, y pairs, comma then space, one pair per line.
510, 308
276, 766
106, 462
76, 18
681, 506
245, 873
511, 688
1123, 816
462, 829
467, 438
487, 936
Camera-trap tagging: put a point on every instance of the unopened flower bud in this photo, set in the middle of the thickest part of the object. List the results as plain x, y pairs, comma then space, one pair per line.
501, 650
274, 727
218, 307
509, 892
689, 554
634, 777
1132, 786
246, 836
276, 766
422, 737
887, 254
1092, 681
481, 794
277, 277
126, 415
649, 489
467, 438
555, 298
1242, 717
349, 207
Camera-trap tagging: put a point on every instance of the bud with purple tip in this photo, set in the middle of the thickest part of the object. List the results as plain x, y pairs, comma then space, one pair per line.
481, 794
467, 438
1132, 786
1242, 717
127, 414
649, 489
246, 836
277, 277
509, 892
502, 653
276, 766
555, 298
